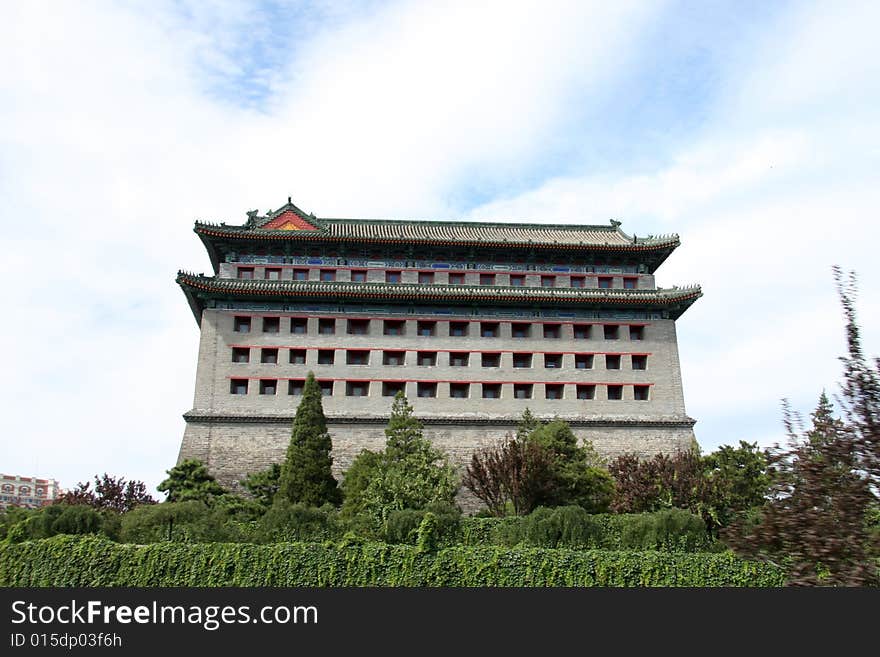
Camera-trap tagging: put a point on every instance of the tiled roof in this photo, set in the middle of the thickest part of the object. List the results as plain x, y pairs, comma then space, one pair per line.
413, 292
291, 223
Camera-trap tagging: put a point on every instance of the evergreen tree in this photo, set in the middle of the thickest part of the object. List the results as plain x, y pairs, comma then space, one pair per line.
190, 480
306, 477
527, 424
263, 485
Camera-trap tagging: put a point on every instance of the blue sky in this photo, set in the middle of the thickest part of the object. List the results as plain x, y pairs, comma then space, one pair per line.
751, 129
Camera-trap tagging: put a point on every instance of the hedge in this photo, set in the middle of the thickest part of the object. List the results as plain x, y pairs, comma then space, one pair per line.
95, 561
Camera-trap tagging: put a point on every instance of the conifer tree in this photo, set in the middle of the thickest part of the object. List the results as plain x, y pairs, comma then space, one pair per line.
306, 477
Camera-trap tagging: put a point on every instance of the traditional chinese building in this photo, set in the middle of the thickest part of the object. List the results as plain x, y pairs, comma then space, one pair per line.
475, 322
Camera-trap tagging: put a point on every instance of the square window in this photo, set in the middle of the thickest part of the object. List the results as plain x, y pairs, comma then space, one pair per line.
552, 361
326, 326
271, 324
636, 333
392, 277
553, 391
520, 330
489, 329
358, 326
359, 275
300, 274
611, 331
391, 388
578, 281
583, 361
238, 386
612, 361
522, 390
393, 358
548, 281
586, 391
295, 386
297, 356
426, 329
491, 391
241, 355
456, 279
269, 356
242, 324
328, 275
357, 357
299, 325
517, 280
615, 392
246, 273
640, 393
552, 331
326, 356
458, 358
427, 358
268, 386
487, 279
605, 282
639, 361
459, 390
522, 360
393, 327
426, 278
356, 388
491, 360
326, 388
582, 331
426, 389
272, 274
458, 329
629, 283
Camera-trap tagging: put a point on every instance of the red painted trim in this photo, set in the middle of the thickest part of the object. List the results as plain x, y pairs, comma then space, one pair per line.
439, 351
424, 270
468, 381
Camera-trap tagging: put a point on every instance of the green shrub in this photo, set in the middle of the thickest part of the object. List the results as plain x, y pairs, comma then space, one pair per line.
402, 526
297, 522
61, 519
191, 521
667, 529
94, 561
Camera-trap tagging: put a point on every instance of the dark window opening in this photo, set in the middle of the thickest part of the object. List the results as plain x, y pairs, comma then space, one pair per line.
268, 386
640, 393
583, 361
393, 358
299, 325
459, 390
522, 360
246, 273
522, 390
458, 329
426, 389
295, 387
489, 329
426, 278
586, 392
300, 274
611, 331
358, 276
582, 331
326, 388
391, 388
636, 332
612, 361
238, 386
605, 282
426, 329
548, 281
297, 356
552, 331
242, 325
615, 392
358, 326
491, 360
427, 358
326, 356
392, 277
517, 280
271, 324
639, 362
552, 361
272, 274
491, 391
328, 275
456, 279
269, 356
553, 391
326, 326
629, 283
359, 357
393, 327
487, 279
578, 281
458, 358
356, 388
241, 355
520, 330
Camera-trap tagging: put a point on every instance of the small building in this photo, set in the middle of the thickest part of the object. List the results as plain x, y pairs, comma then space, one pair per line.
473, 321
27, 492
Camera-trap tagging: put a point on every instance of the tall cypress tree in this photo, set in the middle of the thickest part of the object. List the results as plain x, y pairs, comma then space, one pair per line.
305, 476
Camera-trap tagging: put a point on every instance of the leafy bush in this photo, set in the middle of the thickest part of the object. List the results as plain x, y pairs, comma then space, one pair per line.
191, 521
62, 519
93, 561
403, 526
668, 529
297, 522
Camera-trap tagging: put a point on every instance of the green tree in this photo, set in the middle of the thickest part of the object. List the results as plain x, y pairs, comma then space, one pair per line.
190, 480
306, 475
263, 485
409, 474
